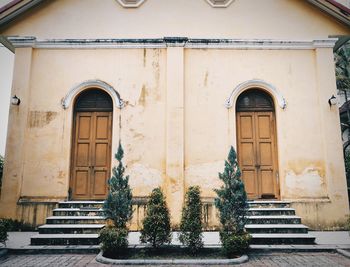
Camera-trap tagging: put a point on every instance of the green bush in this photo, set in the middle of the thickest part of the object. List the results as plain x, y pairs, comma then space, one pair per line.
118, 208
3, 231
17, 226
114, 242
156, 224
234, 244
191, 221
233, 207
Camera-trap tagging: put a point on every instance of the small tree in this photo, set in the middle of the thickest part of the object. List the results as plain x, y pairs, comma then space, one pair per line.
233, 206
156, 224
118, 208
191, 221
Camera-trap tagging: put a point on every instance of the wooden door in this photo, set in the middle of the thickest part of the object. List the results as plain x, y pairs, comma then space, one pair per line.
257, 156
91, 155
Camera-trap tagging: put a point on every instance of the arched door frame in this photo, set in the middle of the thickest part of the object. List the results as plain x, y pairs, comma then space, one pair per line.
67, 105
280, 105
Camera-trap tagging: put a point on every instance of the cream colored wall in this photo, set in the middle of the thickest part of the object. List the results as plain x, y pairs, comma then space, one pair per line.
311, 170
175, 128
278, 19
40, 172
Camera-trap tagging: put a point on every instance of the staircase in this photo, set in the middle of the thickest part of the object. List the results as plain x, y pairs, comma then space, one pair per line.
79, 223
274, 222
72, 223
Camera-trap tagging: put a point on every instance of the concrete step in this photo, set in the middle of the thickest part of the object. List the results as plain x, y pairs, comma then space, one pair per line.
269, 204
276, 228
271, 211
75, 220
78, 212
268, 239
65, 239
81, 204
70, 228
274, 219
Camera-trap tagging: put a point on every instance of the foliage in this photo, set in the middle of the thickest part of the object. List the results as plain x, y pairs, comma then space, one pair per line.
191, 221
231, 201
347, 167
342, 68
1, 169
118, 206
234, 244
3, 231
114, 241
17, 226
156, 224
232, 198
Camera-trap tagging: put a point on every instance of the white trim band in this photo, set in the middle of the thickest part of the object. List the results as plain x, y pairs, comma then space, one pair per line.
165, 42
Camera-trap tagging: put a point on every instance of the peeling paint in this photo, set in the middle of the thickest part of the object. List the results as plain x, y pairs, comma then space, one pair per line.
205, 175
306, 184
143, 178
38, 119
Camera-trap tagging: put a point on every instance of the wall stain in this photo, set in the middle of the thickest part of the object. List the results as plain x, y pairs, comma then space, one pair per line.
156, 71
38, 119
142, 99
144, 57
300, 166
206, 78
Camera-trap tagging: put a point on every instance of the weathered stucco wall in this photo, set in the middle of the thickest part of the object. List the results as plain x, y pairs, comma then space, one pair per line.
175, 128
175, 139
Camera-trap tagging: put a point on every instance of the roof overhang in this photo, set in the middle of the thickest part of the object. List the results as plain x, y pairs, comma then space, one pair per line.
333, 8
15, 8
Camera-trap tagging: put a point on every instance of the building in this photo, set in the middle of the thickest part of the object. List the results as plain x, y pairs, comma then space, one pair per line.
178, 82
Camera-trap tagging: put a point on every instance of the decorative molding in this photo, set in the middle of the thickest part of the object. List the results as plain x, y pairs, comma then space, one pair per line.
220, 3
255, 83
130, 3
266, 44
67, 100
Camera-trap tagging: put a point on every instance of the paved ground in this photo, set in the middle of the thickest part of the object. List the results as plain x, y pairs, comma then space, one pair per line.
22, 239
271, 259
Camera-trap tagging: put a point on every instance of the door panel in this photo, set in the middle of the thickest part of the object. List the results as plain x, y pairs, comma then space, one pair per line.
91, 154
256, 153
82, 183
100, 183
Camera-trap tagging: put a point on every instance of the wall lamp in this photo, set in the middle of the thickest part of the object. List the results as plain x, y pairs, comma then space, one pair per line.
332, 101
15, 100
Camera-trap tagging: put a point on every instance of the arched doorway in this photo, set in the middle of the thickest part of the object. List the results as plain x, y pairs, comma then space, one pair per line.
91, 145
256, 144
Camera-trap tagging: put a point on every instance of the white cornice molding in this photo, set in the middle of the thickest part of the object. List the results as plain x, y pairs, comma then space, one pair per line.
130, 3
256, 83
219, 3
268, 44
73, 92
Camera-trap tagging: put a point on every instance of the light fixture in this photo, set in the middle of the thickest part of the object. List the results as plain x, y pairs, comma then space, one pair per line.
332, 101
15, 100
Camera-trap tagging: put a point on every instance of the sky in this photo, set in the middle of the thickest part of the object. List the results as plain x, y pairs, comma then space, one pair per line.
6, 70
